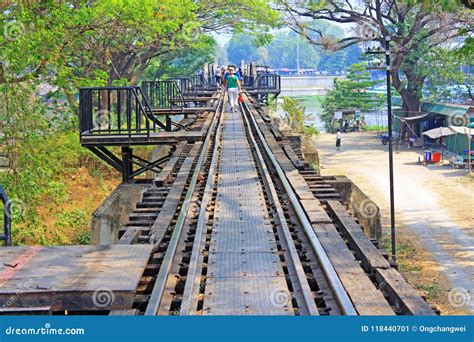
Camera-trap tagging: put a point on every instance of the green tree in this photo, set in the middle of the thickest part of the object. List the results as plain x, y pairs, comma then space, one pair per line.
63, 45
355, 89
282, 51
413, 28
446, 75
296, 117
243, 47
182, 61
351, 93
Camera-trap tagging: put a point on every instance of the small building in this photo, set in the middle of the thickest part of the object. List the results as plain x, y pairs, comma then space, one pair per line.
438, 114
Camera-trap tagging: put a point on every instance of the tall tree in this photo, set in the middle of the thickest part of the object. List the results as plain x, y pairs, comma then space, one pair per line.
106, 42
414, 29
243, 47
282, 52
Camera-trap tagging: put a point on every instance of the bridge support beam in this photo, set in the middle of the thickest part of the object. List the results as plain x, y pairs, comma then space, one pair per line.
127, 166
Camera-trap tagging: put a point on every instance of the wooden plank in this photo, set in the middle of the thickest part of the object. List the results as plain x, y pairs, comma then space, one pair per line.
166, 173
41, 310
168, 210
130, 236
72, 277
293, 157
369, 255
315, 211
276, 133
299, 185
406, 299
367, 299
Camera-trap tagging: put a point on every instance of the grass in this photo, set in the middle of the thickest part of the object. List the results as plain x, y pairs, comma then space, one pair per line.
408, 265
405, 254
432, 291
373, 128
58, 184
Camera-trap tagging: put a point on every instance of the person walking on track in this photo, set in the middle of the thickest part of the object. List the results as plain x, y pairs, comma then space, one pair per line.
233, 86
217, 74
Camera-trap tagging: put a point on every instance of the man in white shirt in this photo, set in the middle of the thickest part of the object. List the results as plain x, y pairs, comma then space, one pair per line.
338, 139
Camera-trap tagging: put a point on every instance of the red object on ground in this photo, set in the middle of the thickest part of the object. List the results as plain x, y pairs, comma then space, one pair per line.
435, 157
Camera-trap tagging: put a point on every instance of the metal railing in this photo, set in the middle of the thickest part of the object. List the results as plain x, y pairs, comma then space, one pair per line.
6, 236
116, 111
185, 85
248, 81
267, 82
199, 82
163, 94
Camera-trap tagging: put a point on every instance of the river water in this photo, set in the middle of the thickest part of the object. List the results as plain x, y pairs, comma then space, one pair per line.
313, 109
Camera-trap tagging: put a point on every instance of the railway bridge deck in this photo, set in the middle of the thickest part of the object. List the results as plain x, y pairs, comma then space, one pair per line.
235, 222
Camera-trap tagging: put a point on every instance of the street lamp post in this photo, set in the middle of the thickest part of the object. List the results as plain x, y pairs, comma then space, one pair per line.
386, 51
390, 149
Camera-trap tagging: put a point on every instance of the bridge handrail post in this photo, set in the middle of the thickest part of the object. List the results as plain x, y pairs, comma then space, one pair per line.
7, 219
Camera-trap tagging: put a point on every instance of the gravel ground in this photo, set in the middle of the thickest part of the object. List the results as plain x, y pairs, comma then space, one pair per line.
434, 213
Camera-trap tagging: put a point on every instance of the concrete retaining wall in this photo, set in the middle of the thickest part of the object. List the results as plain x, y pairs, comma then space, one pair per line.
115, 209
361, 206
113, 213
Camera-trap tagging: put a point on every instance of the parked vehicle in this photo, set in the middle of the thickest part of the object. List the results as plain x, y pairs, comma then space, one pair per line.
384, 137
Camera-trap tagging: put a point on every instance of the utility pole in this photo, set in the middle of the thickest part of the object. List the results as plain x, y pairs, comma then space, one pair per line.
386, 51
469, 158
390, 149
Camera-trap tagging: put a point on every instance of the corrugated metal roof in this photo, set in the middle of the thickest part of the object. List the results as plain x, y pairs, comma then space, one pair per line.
448, 109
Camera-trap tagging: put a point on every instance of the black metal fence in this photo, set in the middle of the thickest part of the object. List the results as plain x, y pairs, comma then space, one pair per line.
186, 85
199, 82
163, 94
6, 236
116, 111
248, 81
267, 82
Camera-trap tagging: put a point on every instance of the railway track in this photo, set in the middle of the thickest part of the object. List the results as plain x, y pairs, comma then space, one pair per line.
241, 225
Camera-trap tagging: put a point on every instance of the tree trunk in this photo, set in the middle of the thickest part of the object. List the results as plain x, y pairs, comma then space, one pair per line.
410, 92
411, 102
411, 105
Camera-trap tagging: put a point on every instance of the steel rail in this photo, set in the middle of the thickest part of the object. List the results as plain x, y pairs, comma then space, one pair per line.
311, 307
160, 282
188, 300
340, 294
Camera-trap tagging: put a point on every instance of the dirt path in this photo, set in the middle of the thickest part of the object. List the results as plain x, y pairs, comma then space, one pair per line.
434, 212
